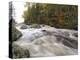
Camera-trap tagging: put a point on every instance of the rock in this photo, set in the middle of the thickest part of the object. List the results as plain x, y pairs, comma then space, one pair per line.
15, 34
19, 52
70, 42
24, 27
35, 26
75, 34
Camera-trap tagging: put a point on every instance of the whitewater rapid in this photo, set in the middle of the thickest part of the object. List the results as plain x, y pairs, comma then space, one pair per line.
47, 40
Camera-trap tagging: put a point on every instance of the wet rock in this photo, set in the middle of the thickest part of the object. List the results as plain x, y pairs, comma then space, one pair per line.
35, 26
68, 41
24, 27
19, 52
15, 34
71, 43
75, 34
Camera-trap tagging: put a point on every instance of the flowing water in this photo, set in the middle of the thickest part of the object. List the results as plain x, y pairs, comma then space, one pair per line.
48, 41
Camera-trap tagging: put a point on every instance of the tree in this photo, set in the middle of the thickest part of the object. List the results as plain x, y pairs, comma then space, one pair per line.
61, 16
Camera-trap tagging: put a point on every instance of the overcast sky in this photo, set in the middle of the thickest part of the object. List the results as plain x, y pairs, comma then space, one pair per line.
19, 9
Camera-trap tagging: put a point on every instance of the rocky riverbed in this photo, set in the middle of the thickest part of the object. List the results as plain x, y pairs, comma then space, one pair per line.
44, 41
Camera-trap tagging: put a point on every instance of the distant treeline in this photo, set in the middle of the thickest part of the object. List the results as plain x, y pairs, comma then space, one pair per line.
59, 16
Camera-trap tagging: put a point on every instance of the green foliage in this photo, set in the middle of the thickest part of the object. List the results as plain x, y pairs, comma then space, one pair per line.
60, 16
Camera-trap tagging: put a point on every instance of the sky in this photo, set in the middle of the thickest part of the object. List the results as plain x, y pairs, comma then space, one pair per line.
19, 9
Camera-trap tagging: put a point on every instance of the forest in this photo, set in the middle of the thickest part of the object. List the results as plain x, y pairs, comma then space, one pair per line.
55, 15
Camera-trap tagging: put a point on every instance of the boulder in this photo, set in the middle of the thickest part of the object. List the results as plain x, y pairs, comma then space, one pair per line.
24, 27
35, 26
15, 34
19, 52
